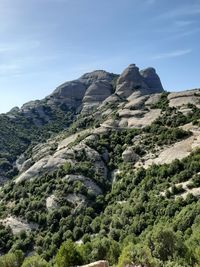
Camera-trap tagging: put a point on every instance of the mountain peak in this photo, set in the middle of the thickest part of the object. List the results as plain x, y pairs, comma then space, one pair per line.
132, 79
97, 75
152, 79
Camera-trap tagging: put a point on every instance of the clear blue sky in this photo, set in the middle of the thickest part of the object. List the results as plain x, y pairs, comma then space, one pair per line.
46, 42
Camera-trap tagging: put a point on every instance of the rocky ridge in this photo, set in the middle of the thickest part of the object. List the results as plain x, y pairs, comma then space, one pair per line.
136, 92
91, 89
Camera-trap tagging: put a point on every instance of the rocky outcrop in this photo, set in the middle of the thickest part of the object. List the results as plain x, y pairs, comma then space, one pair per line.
76, 199
69, 93
152, 100
96, 93
183, 98
179, 150
17, 225
140, 82
91, 90
130, 81
58, 158
52, 203
14, 110
138, 118
73, 173
30, 105
152, 80
98, 75
97, 264
129, 155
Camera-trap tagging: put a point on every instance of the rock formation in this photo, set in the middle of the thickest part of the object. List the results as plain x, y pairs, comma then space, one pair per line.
129, 155
97, 264
69, 93
142, 82
96, 93
75, 164
91, 89
152, 80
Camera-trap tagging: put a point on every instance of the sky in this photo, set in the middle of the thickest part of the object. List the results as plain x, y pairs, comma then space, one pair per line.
44, 43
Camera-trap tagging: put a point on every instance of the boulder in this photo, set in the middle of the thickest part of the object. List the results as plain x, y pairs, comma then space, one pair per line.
101, 263
129, 155
52, 202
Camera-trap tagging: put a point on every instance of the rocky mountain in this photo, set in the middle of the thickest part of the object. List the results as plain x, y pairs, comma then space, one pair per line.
37, 120
104, 157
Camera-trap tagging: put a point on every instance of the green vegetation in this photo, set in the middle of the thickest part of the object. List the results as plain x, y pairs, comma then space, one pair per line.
34, 261
6, 239
138, 217
12, 259
162, 247
68, 255
20, 132
131, 219
163, 103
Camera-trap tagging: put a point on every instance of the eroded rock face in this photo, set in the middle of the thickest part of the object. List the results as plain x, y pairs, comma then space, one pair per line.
14, 110
152, 80
97, 75
35, 111
130, 81
179, 99
69, 93
141, 82
178, 150
96, 93
30, 105
91, 90
57, 159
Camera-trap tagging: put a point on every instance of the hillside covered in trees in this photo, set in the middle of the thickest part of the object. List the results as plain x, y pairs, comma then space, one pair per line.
112, 173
